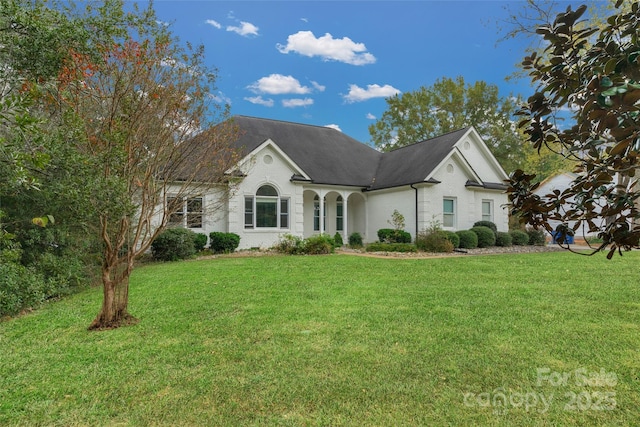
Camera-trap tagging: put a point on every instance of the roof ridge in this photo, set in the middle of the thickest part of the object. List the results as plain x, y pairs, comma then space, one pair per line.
429, 139
291, 123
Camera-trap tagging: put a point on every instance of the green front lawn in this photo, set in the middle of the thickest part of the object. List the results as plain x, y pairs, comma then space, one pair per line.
339, 340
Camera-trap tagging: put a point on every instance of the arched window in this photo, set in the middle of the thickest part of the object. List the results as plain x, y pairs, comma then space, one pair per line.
266, 210
316, 213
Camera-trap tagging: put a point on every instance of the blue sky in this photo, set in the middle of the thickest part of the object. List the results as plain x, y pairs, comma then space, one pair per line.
332, 63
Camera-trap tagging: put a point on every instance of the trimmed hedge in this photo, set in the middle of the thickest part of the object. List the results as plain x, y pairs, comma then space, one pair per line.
355, 240
468, 239
536, 237
223, 243
519, 237
390, 235
453, 238
174, 244
391, 247
314, 245
487, 224
503, 239
200, 241
486, 236
337, 239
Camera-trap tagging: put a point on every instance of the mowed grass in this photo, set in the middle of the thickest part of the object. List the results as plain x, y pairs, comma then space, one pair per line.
339, 340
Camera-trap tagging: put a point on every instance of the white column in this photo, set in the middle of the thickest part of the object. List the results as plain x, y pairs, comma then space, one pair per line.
345, 217
321, 212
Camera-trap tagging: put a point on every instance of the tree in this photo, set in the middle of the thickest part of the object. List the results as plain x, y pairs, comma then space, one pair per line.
594, 72
135, 107
448, 105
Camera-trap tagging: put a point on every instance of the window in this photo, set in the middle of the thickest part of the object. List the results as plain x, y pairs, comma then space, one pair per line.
339, 214
449, 212
316, 213
266, 210
487, 210
185, 212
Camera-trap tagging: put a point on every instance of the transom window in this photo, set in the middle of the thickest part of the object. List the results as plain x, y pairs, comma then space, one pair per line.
449, 212
185, 211
266, 209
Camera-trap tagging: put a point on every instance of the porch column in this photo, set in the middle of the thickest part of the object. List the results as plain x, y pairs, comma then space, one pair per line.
321, 212
345, 217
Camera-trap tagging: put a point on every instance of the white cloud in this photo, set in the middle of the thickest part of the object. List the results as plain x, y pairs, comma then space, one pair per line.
318, 86
220, 98
162, 23
258, 100
245, 29
333, 126
371, 116
213, 23
277, 84
293, 103
358, 94
304, 19
329, 49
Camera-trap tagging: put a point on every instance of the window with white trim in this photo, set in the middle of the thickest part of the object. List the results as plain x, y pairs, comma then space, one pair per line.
449, 212
185, 211
487, 210
339, 214
266, 209
316, 213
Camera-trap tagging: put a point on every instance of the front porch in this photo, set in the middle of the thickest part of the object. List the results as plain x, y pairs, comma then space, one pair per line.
334, 211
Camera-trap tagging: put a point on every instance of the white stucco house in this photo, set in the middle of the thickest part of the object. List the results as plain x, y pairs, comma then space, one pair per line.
303, 180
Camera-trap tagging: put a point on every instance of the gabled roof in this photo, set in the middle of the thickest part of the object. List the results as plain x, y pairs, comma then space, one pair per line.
414, 163
328, 156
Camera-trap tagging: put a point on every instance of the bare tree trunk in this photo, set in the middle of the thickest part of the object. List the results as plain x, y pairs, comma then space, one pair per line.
115, 289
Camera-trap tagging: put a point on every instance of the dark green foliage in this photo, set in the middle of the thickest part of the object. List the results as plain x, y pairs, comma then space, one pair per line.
486, 236
337, 238
503, 239
20, 288
536, 237
390, 235
468, 239
318, 245
487, 224
223, 243
355, 240
391, 247
199, 242
433, 241
519, 237
453, 237
173, 244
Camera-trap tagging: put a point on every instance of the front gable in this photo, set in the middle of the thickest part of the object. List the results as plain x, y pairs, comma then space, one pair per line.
477, 155
269, 158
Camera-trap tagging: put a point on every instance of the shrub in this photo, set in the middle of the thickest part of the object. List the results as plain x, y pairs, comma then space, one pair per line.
468, 239
433, 241
20, 287
536, 237
389, 235
223, 243
503, 239
391, 247
487, 224
337, 238
199, 242
453, 238
173, 244
290, 244
318, 245
519, 237
486, 236
355, 240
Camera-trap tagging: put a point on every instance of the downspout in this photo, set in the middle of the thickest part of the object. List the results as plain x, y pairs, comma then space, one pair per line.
416, 192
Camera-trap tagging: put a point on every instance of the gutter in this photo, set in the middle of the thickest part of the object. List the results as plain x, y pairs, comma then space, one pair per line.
416, 192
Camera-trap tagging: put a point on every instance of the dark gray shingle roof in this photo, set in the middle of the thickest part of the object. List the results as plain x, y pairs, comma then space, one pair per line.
329, 156
326, 155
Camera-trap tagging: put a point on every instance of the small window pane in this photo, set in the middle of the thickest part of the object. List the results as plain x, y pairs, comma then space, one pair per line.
284, 213
194, 212
487, 215
175, 206
448, 213
248, 212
